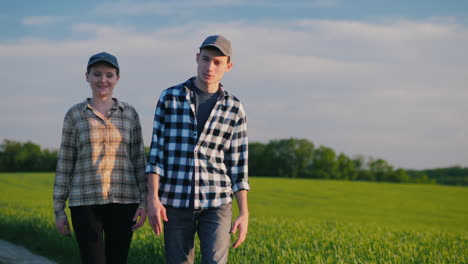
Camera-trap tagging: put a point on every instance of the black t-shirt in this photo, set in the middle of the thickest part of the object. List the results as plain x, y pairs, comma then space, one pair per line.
203, 106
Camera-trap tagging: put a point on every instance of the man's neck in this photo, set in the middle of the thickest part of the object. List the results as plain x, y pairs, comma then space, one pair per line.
205, 88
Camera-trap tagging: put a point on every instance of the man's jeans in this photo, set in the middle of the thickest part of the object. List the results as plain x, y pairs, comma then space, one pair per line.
212, 225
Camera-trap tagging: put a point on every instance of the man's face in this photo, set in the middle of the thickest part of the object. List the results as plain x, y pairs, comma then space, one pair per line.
212, 65
102, 79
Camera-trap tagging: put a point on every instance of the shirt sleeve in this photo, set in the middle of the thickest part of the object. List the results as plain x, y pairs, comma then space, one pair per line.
65, 167
137, 156
237, 155
156, 156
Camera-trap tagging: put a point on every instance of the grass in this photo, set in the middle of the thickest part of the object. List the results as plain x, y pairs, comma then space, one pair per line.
407, 206
292, 221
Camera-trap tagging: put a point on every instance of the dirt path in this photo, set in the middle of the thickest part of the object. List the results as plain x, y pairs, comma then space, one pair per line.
11, 253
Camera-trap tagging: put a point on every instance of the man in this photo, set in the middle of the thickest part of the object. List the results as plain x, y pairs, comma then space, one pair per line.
198, 160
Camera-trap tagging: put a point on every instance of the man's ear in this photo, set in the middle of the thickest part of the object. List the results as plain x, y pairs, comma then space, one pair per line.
229, 66
197, 57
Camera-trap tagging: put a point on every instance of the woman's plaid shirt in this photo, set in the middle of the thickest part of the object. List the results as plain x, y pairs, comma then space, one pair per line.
217, 162
101, 159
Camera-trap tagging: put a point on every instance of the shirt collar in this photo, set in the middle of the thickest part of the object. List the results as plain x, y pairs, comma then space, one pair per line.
118, 104
190, 84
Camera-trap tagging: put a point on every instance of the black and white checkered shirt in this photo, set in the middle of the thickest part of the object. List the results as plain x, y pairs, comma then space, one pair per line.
217, 162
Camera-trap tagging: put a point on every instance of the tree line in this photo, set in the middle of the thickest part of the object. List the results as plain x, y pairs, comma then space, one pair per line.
300, 158
292, 158
21, 157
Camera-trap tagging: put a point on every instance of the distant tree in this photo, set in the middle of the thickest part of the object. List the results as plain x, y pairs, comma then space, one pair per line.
281, 158
48, 160
324, 165
16, 156
398, 175
359, 162
258, 162
9, 151
365, 175
147, 150
304, 155
289, 157
346, 167
455, 175
380, 168
29, 157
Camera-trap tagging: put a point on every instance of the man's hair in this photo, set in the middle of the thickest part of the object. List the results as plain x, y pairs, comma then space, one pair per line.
103, 63
214, 48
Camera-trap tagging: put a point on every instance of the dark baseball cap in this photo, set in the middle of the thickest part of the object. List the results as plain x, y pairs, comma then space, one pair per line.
103, 56
219, 42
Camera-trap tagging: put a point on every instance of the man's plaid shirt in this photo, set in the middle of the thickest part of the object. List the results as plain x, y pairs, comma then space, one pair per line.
217, 162
101, 159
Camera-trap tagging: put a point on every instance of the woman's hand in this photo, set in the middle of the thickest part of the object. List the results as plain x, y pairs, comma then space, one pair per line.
62, 226
140, 215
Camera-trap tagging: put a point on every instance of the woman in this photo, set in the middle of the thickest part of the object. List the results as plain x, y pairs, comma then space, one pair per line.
100, 169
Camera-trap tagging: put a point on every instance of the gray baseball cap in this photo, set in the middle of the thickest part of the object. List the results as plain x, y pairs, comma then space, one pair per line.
103, 56
219, 42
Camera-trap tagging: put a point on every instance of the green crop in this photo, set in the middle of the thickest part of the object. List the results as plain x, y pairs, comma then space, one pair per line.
291, 221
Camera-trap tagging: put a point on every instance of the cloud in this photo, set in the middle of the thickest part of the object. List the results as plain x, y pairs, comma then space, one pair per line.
40, 21
394, 89
167, 8
125, 7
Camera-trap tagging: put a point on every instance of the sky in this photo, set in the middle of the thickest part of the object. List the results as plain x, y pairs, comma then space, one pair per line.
386, 79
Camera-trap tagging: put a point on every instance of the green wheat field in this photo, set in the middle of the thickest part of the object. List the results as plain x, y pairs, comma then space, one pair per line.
291, 221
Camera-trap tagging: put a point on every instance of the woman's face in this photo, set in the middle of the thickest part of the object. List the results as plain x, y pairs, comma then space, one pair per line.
102, 78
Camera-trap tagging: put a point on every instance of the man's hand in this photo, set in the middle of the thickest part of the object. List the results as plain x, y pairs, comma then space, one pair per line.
241, 223
62, 226
156, 213
140, 215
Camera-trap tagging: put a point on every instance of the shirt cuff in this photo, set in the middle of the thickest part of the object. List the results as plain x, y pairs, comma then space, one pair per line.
60, 214
154, 169
239, 186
